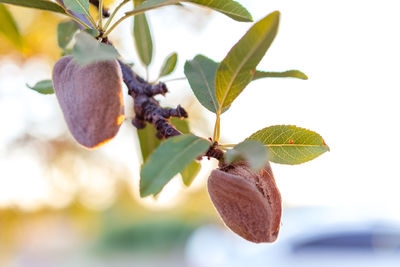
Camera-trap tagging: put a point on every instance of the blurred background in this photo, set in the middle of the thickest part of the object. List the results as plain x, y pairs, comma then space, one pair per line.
63, 205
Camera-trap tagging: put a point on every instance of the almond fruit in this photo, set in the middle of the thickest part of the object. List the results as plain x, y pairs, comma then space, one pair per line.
248, 202
90, 98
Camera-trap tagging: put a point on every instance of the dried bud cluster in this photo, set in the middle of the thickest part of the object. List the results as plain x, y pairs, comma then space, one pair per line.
90, 98
248, 202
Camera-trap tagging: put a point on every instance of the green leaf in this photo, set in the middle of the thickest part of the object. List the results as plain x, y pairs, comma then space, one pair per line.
137, 3
237, 69
254, 152
38, 4
78, 6
181, 125
43, 87
286, 74
88, 50
9, 28
148, 140
143, 41
200, 73
230, 8
170, 158
169, 65
65, 32
190, 172
227, 7
93, 32
290, 144
151, 4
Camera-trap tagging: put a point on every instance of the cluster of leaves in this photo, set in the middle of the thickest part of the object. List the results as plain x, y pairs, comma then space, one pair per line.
215, 85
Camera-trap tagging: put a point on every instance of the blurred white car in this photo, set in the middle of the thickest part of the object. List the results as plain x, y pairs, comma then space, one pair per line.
308, 237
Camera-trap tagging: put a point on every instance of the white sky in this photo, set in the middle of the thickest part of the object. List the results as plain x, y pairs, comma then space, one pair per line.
349, 50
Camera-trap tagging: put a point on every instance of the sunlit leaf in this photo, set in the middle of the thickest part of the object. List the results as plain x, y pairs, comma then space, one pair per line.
152, 4
143, 40
200, 73
230, 8
37, 4
169, 65
181, 125
93, 32
78, 6
190, 172
227, 7
170, 158
148, 140
65, 32
88, 50
9, 28
137, 3
290, 144
43, 87
251, 151
285, 74
237, 69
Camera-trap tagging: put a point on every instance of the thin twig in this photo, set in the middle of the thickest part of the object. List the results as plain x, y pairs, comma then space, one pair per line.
114, 13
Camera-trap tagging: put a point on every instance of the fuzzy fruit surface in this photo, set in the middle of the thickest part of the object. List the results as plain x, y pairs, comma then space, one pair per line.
90, 98
248, 201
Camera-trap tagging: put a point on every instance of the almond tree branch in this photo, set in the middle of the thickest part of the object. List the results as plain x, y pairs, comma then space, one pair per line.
147, 109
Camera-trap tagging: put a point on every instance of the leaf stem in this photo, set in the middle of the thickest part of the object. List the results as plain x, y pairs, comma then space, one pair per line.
72, 16
100, 14
227, 145
217, 128
79, 21
112, 16
87, 15
115, 25
91, 20
114, 13
174, 79
137, 11
147, 74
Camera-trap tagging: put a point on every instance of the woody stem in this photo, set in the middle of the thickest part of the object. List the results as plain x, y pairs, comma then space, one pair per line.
147, 109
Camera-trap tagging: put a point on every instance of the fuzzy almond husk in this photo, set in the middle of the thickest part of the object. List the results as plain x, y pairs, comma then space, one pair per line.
248, 202
90, 98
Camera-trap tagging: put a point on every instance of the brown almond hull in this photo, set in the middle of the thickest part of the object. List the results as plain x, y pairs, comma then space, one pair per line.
90, 98
248, 202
